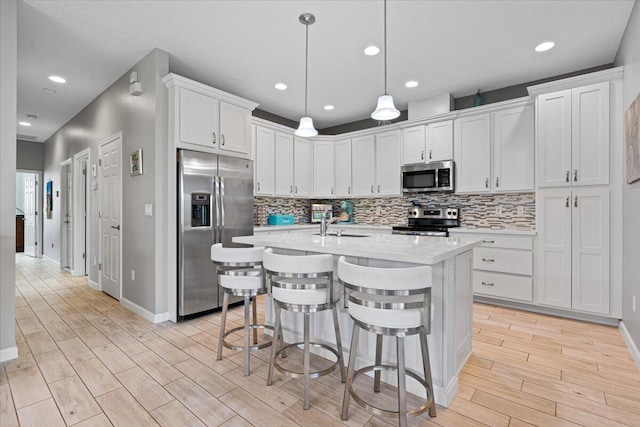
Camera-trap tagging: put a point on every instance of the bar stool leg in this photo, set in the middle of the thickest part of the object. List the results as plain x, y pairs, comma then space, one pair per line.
223, 322
352, 364
376, 375
277, 331
306, 361
255, 320
336, 325
247, 320
424, 346
402, 386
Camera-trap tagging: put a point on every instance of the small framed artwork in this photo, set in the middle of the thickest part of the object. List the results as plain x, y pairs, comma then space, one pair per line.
49, 198
135, 162
632, 137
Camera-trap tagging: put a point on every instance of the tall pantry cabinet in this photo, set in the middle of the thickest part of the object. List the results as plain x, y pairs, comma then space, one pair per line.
574, 196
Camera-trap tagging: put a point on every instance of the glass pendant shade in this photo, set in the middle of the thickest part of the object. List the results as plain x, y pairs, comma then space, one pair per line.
306, 128
385, 109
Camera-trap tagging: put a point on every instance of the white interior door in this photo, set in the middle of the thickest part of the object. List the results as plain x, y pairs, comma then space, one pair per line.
66, 215
30, 195
110, 214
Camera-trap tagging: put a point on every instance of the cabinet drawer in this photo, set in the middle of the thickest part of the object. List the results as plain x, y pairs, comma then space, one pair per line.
503, 285
507, 242
503, 260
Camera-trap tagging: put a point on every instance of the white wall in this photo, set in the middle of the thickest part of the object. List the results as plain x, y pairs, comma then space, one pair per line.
8, 80
629, 57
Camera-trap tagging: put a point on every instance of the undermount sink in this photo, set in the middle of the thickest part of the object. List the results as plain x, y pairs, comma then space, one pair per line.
343, 235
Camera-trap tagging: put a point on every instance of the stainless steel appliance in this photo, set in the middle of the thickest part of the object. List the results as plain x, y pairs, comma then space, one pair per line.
215, 203
429, 177
429, 221
317, 209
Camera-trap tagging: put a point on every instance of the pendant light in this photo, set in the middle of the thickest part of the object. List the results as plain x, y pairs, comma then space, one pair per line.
385, 109
306, 128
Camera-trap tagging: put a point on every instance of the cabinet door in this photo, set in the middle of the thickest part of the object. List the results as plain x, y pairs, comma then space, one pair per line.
413, 145
283, 164
198, 119
264, 162
323, 169
439, 141
472, 153
554, 139
235, 123
590, 134
363, 166
590, 250
513, 149
303, 167
553, 222
388, 178
343, 168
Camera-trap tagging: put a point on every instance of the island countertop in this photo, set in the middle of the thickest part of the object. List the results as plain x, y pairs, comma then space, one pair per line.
390, 247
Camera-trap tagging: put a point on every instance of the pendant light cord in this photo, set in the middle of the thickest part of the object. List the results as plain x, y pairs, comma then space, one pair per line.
306, 68
385, 47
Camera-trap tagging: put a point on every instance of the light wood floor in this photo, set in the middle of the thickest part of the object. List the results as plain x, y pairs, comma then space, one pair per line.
87, 361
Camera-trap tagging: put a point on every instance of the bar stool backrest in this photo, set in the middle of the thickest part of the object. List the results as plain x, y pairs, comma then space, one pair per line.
236, 257
283, 265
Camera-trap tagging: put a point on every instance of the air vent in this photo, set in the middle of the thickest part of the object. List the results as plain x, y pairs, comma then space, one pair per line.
26, 137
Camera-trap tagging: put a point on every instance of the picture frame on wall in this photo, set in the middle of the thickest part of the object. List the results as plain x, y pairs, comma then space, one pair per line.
632, 140
49, 198
135, 162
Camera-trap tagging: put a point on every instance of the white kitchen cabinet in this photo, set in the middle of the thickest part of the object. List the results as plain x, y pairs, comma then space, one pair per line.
388, 160
413, 145
363, 166
573, 136
343, 168
472, 153
265, 161
323, 169
235, 124
199, 119
513, 150
283, 164
573, 254
303, 167
439, 141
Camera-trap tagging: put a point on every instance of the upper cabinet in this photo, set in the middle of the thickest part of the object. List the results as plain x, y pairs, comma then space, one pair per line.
323, 169
342, 165
302, 167
573, 136
428, 143
206, 119
264, 167
283, 164
513, 149
363, 166
388, 160
413, 145
472, 153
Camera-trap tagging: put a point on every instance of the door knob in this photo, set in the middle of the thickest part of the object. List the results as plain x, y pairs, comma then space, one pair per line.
116, 227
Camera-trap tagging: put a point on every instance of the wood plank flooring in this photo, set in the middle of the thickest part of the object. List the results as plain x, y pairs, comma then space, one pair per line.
84, 360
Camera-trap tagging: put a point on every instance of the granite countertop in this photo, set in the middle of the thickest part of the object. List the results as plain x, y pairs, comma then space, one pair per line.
486, 230
333, 227
390, 247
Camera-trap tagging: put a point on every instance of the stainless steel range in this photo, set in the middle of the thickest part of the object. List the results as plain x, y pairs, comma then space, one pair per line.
429, 221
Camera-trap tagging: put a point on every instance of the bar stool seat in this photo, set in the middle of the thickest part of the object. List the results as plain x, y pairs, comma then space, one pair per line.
240, 274
393, 302
303, 284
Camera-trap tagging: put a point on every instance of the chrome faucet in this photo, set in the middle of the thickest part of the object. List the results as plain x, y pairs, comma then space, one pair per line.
324, 224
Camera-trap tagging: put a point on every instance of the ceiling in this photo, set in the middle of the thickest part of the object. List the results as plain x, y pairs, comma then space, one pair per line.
245, 47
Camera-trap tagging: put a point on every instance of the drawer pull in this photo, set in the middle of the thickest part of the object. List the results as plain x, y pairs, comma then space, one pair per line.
488, 241
488, 259
487, 283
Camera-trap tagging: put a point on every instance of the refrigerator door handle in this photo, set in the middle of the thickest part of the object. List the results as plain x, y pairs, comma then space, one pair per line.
217, 200
221, 190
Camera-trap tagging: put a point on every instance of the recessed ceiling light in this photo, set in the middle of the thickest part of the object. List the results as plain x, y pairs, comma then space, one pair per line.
24, 124
281, 86
328, 107
411, 83
544, 46
372, 50
57, 79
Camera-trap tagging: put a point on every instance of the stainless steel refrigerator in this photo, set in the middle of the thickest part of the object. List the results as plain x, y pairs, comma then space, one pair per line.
215, 203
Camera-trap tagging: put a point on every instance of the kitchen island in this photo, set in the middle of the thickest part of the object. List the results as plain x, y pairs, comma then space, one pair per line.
451, 293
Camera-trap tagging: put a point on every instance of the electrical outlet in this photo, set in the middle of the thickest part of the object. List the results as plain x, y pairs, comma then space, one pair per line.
633, 303
520, 210
133, 275
378, 210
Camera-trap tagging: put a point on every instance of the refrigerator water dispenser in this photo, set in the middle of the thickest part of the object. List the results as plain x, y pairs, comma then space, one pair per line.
200, 210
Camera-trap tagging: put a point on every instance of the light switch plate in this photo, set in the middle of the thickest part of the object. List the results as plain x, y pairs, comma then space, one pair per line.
148, 209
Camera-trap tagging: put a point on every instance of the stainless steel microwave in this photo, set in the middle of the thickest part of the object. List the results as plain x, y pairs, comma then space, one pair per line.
428, 177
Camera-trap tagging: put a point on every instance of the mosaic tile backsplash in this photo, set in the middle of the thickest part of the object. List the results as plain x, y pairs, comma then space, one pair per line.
514, 210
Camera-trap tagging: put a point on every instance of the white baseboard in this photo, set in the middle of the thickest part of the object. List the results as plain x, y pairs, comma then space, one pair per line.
633, 348
46, 258
94, 285
8, 353
141, 311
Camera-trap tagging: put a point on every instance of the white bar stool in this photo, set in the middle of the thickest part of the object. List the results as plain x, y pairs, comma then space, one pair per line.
394, 302
240, 274
302, 284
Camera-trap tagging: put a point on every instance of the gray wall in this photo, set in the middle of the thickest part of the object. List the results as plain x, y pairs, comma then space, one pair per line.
8, 80
629, 57
30, 155
143, 122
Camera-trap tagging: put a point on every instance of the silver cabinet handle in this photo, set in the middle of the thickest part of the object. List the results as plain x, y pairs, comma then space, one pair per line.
486, 183
422, 155
258, 186
214, 137
497, 181
489, 241
488, 259
349, 190
566, 177
430, 152
372, 189
291, 189
223, 141
296, 189
567, 203
332, 191
575, 175
575, 202
378, 188
487, 283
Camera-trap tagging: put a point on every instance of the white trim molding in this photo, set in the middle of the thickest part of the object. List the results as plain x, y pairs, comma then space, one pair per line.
141, 311
94, 285
581, 80
8, 354
633, 348
51, 260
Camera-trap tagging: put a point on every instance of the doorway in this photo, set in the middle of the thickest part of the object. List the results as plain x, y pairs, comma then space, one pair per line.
81, 203
28, 199
66, 215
